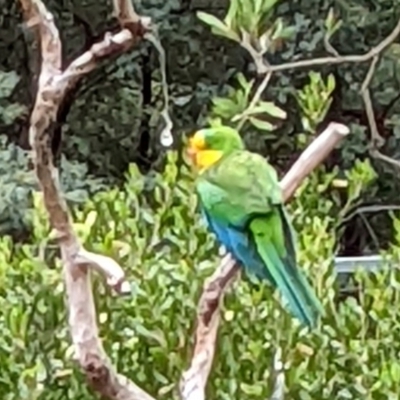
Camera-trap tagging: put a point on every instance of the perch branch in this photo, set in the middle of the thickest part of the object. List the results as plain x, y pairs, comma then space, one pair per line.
195, 378
52, 88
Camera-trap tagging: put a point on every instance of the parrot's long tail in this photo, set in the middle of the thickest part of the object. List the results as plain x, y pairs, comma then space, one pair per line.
275, 242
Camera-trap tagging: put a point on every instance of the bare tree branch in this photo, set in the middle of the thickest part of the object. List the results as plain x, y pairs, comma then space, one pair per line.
195, 378
376, 139
372, 55
52, 88
125, 13
339, 59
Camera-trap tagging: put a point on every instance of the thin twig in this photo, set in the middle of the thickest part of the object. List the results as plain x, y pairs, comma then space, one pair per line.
329, 48
278, 391
376, 139
377, 154
369, 209
256, 98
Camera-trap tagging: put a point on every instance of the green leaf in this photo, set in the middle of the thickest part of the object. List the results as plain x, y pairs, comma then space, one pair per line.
225, 108
246, 85
268, 5
393, 51
278, 29
265, 17
251, 390
10, 112
211, 20
269, 108
217, 26
331, 83
232, 15
246, 16
261, 125
287, 32
8, 82
258, 6
330, 20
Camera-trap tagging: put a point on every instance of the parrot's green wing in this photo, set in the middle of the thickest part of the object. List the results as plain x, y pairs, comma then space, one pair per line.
243, 203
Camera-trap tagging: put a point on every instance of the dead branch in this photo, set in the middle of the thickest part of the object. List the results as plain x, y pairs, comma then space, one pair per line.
377, 140
53, 85
336, 59
372, 56
195, 378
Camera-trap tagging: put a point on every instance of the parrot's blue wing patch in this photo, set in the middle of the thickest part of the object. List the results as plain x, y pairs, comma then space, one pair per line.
219, 230
241, 245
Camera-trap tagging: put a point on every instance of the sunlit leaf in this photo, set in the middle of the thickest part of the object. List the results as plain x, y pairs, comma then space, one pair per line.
8, 82
268, 108
262, 125
217, 25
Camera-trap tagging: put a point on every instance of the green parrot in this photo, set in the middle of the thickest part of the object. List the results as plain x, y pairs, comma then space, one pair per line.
242, 202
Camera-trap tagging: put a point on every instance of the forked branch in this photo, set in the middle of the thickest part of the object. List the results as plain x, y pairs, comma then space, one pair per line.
53, 85
194, 380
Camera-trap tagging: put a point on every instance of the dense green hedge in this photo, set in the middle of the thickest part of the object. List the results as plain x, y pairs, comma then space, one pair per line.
200, 67
353, 355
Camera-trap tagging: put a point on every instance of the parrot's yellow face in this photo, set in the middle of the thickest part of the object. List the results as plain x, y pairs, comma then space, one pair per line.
201, 155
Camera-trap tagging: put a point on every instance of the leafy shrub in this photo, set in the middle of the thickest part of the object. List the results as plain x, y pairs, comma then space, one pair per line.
9, 111
167, 254
17, 182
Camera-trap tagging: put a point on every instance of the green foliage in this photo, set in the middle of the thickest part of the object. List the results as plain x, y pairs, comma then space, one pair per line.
315, 100
167, 253
239, 107
17, 182
9, 111
250, 23
106, 126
